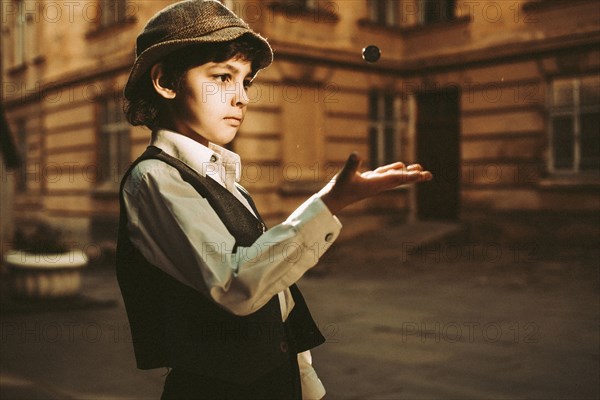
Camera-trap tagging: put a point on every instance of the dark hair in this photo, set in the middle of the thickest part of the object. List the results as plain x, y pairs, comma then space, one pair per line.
145, 106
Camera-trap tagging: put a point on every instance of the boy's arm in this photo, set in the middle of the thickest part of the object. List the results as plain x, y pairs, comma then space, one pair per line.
179, 232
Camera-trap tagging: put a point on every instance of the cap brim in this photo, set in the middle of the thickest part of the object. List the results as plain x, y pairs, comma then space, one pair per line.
155, 53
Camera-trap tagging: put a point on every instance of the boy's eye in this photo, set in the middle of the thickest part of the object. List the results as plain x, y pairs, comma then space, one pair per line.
225, 78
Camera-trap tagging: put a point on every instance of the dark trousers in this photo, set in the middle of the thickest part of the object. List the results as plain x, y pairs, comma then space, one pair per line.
282, 383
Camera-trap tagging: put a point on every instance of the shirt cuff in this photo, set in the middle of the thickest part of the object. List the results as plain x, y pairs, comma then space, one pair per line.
317, 225
312, 387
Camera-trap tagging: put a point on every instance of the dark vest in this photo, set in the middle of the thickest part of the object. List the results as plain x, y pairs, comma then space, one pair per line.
173, 325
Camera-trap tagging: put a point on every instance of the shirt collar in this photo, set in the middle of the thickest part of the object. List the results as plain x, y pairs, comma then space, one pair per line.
214, 161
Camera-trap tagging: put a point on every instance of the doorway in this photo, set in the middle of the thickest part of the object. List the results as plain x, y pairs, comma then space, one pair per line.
438, 150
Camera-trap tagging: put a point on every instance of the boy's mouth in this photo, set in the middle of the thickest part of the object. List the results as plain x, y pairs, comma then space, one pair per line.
234, 120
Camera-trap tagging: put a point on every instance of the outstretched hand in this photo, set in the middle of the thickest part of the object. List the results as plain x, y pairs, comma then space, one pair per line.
350, 186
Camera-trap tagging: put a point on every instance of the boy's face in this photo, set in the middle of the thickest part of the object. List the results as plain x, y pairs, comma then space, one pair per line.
211, 103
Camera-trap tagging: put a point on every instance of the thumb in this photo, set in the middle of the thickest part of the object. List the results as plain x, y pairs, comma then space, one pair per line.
350, 168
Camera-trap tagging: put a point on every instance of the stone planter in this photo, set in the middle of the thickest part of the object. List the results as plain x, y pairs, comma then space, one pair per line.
45, 276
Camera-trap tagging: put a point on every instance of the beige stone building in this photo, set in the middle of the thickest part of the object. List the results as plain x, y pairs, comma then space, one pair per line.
500, 99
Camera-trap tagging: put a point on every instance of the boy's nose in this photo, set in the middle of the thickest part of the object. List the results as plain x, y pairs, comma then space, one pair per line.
240, 97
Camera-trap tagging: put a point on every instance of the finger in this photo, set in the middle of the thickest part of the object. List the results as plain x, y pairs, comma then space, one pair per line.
396, 178
384, 168
418, 176
414, 167
349, 168
411, 176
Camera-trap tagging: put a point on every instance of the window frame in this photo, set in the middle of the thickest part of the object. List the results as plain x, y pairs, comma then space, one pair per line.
449, 5
384, 127
20, 35
315, 10
117, 16
575, 111
383, 12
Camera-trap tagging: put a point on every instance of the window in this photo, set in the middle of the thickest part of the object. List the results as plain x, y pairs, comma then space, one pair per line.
432, 11
23, 20
114, 143
575, 125
316, 10
112, 12
383, 127
383, 12
19, 35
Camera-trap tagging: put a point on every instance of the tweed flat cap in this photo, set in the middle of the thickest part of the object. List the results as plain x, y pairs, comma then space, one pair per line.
185, 23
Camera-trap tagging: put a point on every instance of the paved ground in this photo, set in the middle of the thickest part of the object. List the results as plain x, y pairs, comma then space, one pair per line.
476, 321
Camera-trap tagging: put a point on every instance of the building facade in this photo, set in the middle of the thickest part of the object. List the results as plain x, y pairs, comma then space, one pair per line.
500, 99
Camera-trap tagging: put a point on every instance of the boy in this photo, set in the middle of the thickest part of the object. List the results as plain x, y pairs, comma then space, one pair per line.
209, 291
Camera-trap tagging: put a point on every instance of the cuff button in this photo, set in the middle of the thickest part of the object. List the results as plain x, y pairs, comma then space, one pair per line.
329, 237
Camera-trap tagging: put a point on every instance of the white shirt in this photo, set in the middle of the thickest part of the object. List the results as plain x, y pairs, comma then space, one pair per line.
198, 249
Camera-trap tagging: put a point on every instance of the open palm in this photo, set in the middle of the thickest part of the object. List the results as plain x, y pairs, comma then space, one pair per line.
350, 185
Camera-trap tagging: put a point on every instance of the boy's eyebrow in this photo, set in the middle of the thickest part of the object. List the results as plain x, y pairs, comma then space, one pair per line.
233, 69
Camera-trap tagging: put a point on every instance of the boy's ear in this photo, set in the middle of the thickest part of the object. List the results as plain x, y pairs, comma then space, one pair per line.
157, 77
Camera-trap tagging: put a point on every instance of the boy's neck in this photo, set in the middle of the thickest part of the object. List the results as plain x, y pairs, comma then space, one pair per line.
173, 126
